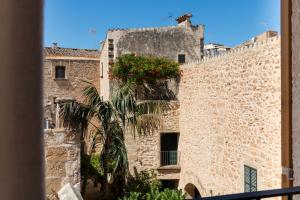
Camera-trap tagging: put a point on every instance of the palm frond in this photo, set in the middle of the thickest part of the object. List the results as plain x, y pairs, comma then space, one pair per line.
157, 107
92, 97
75, 115
124, 101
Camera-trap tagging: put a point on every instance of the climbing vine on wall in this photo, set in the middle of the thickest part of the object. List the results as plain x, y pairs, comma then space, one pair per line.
132, 68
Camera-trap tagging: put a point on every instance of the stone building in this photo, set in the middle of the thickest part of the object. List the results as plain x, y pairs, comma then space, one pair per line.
64, 70
182, 43
225, 124
213, 49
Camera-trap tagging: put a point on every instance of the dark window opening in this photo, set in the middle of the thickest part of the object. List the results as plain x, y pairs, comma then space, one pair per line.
250, 179
169, 149
101, 70
110, 47
181, 58
169, 184
60, 72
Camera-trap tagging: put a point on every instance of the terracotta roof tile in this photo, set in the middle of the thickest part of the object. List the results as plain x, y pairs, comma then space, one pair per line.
59, 51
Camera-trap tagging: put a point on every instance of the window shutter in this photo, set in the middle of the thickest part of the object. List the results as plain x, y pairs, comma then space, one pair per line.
250, 179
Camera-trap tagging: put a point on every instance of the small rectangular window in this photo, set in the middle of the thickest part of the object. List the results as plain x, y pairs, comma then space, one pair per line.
250, 179
60, 72
101, 70
111, 47
181, 58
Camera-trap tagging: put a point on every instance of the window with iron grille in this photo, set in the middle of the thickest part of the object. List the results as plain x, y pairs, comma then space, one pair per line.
250, 179
60, 72
181, 58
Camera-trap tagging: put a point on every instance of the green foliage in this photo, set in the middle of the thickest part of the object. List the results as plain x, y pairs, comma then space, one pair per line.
143, 182
145, 186
132, 196
168, 194
131, 68
91, 165
107, 122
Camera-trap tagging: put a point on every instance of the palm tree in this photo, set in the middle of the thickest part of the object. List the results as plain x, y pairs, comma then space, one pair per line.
110, 121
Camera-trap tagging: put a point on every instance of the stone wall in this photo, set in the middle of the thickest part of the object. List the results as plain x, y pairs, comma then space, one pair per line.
63, 147
62, 153
72, 86
165, 42
144, 151
296, 89
230, 116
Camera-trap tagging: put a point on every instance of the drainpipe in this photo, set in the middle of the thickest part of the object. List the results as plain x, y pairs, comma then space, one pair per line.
21, 138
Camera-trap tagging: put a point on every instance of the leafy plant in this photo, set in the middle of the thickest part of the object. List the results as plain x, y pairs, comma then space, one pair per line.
145, 186
132, 196
169, 194
132, 68
108, 122
144, 182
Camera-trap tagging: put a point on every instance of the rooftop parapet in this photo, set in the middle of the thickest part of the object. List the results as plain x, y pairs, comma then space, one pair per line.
236, 51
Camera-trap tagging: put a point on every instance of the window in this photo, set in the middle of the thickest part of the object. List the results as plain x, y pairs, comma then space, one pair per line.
181, 58
101, 76
250, 179
169, 146
170, 184
60, 72
110, 47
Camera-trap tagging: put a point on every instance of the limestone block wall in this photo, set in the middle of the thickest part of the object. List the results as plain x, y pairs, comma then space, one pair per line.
144, 151
72, 86
296, 89
230, 116
62, 153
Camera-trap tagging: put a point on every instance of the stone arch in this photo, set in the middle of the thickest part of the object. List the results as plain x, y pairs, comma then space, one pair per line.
192, 191
188, 179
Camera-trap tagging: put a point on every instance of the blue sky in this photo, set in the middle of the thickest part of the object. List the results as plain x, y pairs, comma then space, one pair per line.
83, 23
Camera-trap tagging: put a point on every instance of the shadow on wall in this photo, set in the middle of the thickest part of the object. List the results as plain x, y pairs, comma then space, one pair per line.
166, 89
192, 191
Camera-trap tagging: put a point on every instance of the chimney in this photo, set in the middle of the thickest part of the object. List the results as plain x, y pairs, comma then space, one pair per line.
184, 20
54, 45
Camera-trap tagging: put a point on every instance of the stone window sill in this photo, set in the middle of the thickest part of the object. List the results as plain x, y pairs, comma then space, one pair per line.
169, 167
60, 79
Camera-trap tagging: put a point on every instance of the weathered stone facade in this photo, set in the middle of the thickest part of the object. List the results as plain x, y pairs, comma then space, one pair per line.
167, 42
62, 147
226, 111
78, 67
296, 89
62, 153
228, 115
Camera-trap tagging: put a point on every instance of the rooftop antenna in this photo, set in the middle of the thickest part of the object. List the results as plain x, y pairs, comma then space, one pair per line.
265, 24
92, 31
170, 18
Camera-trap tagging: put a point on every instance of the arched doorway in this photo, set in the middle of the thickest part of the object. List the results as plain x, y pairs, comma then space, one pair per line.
192, 191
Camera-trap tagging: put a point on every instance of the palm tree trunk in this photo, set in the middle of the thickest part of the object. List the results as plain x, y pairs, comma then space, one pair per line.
105, 185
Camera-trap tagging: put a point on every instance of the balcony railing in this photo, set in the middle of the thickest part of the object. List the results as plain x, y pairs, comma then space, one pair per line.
286, 192
169, 158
